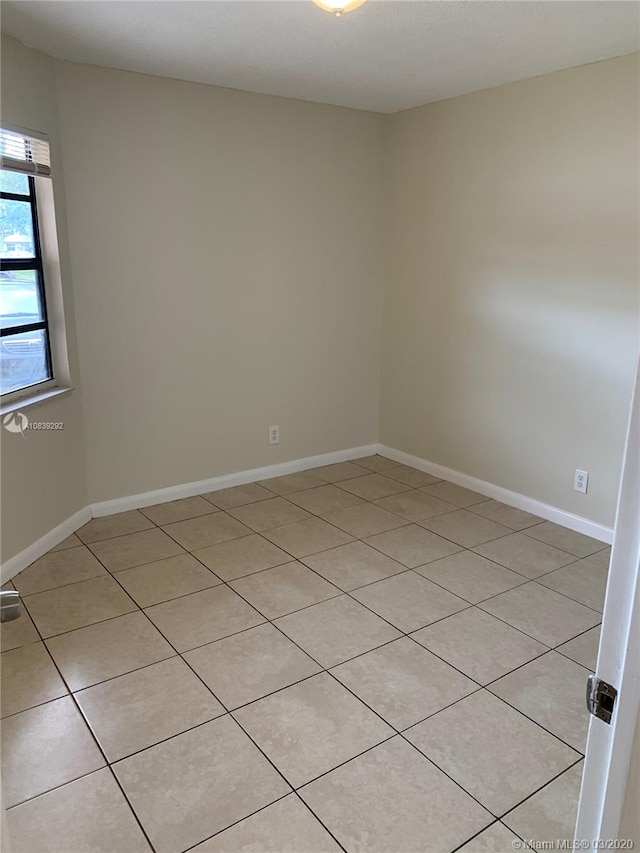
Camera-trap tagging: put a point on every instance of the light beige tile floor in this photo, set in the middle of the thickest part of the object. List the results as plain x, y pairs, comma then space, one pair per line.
267, 514
495, 839
479, 645
583, 649
415, 505
374, 486
135, 549
277, 829
471, 576
494, 752
409, 601
110, 526
249, 665
403, 683
510, 516
240, 557
324, 499
70, 542
465, 528
567, 540
525, 555
311, 727
60, 610
179, 669
411, 476
284, 589
58, 568
88, 814
44, 747
179, 510
129, 713
307, 537
548, 691
364, 520
191, 786
583, 581
43, 684
457, 495
551, 813
162, 580
392, 799
238, 496
412, 545
353, 565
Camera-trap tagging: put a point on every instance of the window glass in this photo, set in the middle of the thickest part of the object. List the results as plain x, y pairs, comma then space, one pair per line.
14, 182
19, 298
17, 229
23, 360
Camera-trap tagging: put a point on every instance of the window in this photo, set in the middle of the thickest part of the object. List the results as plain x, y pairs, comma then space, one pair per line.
26, 356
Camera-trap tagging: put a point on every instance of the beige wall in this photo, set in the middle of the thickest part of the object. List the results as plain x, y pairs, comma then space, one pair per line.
511, 292
227, 258
42, 476
227, 267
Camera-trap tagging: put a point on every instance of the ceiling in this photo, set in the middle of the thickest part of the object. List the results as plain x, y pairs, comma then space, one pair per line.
386, 56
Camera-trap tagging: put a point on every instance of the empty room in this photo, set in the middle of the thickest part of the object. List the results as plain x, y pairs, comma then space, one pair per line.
320, 426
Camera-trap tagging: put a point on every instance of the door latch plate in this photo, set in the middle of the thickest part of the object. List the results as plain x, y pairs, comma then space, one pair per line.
601, 698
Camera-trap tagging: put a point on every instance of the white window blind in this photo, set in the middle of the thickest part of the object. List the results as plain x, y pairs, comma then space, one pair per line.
21, 152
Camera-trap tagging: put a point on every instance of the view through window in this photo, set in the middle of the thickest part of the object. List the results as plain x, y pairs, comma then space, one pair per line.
25, 357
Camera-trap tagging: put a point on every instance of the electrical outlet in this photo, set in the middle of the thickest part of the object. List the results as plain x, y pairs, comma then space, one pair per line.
581, 481
274, 435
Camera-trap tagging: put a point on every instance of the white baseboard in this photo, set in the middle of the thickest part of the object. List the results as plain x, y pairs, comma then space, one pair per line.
16, 564
40, 547
188, 490
546, 511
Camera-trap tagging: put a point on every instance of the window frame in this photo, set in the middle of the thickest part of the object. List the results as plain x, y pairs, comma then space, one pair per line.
36, 164
37, 265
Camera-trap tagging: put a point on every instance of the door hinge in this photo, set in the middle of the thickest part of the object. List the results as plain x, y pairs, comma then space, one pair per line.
601, 698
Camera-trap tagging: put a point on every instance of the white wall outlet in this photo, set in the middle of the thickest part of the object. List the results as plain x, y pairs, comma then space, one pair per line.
274, 435
581, 481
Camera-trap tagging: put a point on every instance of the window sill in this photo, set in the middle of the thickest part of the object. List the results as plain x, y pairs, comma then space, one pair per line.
20, 403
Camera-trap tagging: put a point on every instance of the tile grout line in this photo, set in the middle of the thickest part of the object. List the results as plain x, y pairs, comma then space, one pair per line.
227, 712
484, 829
230, 714
365, 501
300, 559
405, 634
409, 636
396, 732
271, 622
537, 791
267, 620
79, 628
96, 742
400, 733
564, 594
323, 669
456, 508
357, 601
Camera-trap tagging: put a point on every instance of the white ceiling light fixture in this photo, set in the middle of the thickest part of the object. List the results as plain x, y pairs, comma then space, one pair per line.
338, 7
